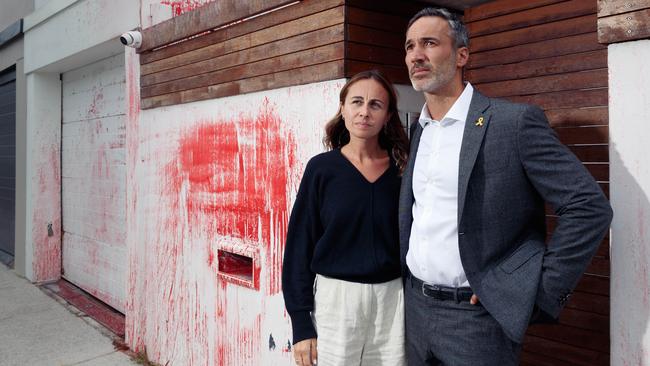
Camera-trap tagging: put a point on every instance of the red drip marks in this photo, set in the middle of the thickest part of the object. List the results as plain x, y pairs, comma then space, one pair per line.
184, 6
97, 310
136, 312
238, 173
46, 230
98, 97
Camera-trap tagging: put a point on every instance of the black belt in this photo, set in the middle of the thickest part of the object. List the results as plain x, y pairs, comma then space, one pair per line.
440, 292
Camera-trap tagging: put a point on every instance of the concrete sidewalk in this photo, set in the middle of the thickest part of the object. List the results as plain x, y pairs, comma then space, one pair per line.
36, 329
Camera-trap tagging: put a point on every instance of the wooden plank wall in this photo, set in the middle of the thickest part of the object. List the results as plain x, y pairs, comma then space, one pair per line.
299, 44
375, 37
546, 52
623, 20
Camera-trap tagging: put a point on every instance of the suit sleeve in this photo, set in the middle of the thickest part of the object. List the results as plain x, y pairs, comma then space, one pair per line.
297, 277
583, 211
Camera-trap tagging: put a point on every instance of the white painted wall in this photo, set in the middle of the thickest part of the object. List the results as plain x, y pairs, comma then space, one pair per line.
66, 34
629, 128
11, 52
59, 36
13, 10
43, 178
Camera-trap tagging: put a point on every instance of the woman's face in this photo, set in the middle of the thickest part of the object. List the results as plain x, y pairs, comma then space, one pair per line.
365, 109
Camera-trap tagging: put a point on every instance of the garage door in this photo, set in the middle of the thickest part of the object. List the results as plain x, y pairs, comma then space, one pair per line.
93, 177
7, 160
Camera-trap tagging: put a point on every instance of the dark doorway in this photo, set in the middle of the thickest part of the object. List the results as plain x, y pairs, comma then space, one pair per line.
7, 163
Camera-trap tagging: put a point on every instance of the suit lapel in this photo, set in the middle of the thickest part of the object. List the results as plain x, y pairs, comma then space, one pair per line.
472, 138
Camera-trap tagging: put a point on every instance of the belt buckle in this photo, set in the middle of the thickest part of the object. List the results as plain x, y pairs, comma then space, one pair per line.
435, 289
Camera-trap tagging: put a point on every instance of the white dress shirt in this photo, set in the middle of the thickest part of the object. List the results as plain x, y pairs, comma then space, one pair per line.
433, 254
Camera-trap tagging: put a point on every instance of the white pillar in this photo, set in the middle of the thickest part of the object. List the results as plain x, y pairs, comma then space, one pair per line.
629, 126
43, 178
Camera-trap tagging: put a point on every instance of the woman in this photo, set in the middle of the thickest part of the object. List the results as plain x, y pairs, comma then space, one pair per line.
341, 272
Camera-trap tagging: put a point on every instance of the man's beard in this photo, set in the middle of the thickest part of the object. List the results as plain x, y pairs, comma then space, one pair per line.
439, 76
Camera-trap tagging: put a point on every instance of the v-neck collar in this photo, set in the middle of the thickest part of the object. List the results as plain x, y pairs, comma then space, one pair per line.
358, 172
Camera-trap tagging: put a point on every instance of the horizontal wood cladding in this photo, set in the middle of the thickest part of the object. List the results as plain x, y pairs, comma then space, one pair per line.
375, 32
535, 33
308, 74
209, 16
547, 53
554, 65
329, 38
495, 9
624, 27
278, 17
298, 44
274, 65
542, 351
532, 17
535, 50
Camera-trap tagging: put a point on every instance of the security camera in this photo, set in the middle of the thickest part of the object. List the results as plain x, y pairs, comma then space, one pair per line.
131, 39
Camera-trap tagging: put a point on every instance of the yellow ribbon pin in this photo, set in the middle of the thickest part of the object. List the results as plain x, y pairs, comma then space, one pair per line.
479, 121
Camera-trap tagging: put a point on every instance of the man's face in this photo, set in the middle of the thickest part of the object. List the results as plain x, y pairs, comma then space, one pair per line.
430, 55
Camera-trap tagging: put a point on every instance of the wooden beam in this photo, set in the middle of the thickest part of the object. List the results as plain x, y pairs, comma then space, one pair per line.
502, 7
624, 27
578, 117
613, 7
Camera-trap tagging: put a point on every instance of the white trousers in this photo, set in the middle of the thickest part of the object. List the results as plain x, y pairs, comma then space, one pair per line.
359, 324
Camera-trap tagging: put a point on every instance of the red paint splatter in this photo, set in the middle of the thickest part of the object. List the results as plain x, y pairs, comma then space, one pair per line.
93, 109
136, 299
210, 257
237, 174
230, 180
184, 6
46, 220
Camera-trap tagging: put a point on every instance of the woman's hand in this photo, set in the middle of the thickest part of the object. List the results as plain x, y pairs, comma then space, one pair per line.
305, 352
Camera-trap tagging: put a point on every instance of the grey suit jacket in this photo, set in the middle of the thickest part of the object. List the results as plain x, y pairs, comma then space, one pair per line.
510, 165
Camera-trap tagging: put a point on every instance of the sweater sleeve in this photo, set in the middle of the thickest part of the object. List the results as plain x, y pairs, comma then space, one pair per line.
304, 230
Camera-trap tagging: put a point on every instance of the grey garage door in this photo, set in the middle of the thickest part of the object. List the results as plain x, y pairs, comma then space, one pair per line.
7, 160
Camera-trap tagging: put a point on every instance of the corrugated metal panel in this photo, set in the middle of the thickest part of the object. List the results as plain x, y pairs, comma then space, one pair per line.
7, 161
93, 170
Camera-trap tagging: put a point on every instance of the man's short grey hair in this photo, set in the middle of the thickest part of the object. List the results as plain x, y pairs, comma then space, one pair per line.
458, 31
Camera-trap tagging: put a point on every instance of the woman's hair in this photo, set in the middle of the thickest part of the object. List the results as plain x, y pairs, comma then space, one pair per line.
391, 138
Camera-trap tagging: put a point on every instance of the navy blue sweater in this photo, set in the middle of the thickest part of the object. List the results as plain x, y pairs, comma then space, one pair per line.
341, 226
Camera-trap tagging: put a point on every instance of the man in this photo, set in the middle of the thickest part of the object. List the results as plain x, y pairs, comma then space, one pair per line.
472, 229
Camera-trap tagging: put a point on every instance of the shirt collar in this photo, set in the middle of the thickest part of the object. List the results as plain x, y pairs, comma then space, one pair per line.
457, 112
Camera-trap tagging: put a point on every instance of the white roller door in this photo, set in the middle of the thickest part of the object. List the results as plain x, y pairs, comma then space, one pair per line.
93, 177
